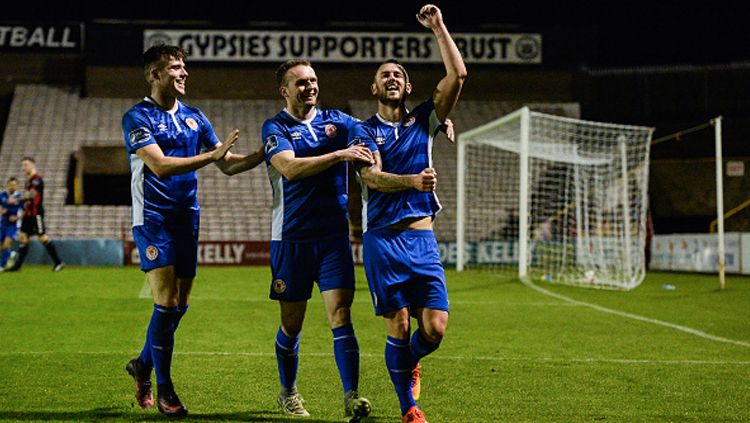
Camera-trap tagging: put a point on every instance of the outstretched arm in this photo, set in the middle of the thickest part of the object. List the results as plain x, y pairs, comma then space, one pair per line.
449, 88
294, 168
233, 163
163, 165
381, 181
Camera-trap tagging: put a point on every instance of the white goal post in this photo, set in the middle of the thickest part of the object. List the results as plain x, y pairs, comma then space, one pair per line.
554, 198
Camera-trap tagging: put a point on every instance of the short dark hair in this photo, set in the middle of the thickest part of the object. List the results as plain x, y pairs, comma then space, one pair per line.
397, 63
281, 71
158, 53
28, 159
11, 179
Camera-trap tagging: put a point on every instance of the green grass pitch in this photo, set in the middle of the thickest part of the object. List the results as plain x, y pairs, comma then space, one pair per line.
512, 353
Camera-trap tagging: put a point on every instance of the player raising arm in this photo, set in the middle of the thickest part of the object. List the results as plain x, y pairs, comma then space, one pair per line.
401, 256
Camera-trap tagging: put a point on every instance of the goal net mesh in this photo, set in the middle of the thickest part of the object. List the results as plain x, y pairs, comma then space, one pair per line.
580, 210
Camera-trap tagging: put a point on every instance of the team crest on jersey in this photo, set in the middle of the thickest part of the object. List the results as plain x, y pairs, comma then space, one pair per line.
152, 252
379, 140
271, 143
296, 135
192, 123
409, 122
331, 130
279, 286
139, 135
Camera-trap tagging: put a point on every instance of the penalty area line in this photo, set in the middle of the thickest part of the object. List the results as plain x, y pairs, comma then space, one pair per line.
685, 329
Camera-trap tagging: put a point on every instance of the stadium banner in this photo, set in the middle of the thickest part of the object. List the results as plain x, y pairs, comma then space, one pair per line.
699, 253
39, 37
362, 47
218, 253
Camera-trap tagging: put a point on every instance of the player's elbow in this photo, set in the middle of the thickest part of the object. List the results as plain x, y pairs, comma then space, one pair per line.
461, 75
291, 175
371, 181
160, 171
226, 169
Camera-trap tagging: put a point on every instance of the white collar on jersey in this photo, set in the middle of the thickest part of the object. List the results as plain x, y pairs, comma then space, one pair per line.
315, 110
388, 122
172, 111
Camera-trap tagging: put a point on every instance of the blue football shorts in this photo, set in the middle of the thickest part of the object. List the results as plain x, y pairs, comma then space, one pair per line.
8, 231
173, 242
403, 269
295, 266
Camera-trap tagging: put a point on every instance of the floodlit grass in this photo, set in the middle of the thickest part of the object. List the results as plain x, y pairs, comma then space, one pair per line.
511, 353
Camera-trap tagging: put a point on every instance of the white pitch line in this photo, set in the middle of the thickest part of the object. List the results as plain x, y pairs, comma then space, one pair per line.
432, 357
602, 309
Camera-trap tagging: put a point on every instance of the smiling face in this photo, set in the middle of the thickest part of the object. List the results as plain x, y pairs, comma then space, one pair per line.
391, 85
300, 87
169, 76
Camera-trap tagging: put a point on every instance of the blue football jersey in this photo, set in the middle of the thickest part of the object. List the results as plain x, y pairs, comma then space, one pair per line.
316, 206
182, 132
405, 148
11, 209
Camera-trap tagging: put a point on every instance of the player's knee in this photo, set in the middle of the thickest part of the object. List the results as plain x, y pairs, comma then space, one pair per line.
291, 329
435, 331
340, 316
398, 324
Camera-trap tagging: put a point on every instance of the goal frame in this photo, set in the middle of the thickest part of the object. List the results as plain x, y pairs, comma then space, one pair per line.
523, 116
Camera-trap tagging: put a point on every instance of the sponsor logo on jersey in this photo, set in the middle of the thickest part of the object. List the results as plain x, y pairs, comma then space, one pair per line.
162, 127
271, 143
152, 252
279, 286
379, 140
139, 135
331, 130
192, 123
409, 122
296, 135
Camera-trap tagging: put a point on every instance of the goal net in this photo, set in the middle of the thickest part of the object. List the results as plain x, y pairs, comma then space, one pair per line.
554, 198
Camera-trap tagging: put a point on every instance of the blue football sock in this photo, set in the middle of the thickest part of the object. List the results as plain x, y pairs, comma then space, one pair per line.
161, 335
146, 351
287, 357
399, 362
145, 356
346, 353
420, 347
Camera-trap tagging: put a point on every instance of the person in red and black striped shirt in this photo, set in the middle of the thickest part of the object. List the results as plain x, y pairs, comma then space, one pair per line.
32, 223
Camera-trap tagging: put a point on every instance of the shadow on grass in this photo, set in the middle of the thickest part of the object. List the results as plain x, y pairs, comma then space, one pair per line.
129, 415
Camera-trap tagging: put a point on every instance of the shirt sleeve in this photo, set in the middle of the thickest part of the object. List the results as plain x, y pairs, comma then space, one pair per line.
208, 138
362, 134
274, 140
136, 129
426, 111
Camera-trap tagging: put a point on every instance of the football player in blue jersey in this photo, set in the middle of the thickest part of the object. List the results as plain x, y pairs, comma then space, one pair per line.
306, 155
167, 141
400, 253
10, 207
